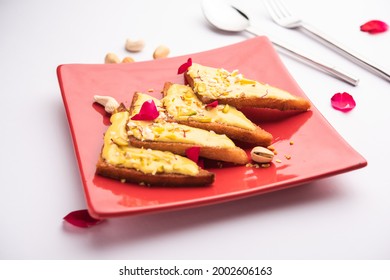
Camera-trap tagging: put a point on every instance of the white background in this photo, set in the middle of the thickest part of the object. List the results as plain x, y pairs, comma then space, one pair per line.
342, 217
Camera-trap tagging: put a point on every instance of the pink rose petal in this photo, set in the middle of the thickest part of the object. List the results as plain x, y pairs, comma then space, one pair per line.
81, 218
374, 26
183, 68
148, 112
212, 104
343, 102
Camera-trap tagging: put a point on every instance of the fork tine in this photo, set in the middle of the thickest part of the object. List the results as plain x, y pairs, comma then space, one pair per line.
282, 7
276, 9
269, 6
281, 14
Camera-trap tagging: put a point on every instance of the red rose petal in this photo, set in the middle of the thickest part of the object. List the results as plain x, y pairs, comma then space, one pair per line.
148, 112
374, 26
183, 68
343, 102
193, 154
212, 104
81, 218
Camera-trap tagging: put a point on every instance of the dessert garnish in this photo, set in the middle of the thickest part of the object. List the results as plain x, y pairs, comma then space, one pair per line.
81, 218
212, 104
193, 153
374, 27
262, 155
148, 112
183, 68
343, 102
109, 103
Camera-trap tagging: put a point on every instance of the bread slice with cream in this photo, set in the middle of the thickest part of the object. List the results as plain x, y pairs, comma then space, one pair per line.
121, 161
183, 106
161, 134
233, 88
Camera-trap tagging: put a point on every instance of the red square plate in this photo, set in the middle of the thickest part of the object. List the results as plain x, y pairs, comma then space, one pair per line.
311, 142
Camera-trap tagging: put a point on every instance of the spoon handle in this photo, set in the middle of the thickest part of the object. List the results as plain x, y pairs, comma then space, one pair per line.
314, 62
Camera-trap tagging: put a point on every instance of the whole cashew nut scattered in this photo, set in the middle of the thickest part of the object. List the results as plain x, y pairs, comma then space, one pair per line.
109, 103
111, 58
161, 52
134, 46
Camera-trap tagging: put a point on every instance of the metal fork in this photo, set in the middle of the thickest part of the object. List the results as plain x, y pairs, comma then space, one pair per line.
282, 16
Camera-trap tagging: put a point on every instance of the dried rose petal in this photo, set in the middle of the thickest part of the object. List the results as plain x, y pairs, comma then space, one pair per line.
183, 68
374, 26
148, 112
81, 218
343, 102
212, 104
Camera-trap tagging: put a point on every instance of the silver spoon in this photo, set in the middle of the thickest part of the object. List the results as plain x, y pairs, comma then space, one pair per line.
229, 18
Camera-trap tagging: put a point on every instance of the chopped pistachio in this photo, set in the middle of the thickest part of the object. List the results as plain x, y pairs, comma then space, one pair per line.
225, 108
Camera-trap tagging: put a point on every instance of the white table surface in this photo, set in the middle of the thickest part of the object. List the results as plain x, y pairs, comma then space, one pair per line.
341, 217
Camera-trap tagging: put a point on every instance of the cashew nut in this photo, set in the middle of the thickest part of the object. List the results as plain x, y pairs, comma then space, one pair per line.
161, 52
109, 103
134, 46
111, 58
127, 59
